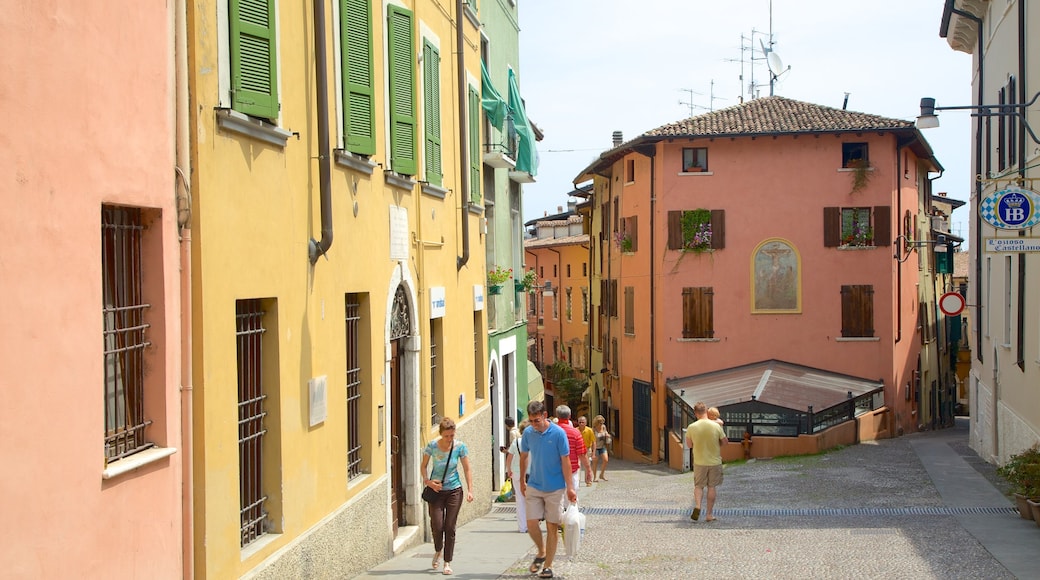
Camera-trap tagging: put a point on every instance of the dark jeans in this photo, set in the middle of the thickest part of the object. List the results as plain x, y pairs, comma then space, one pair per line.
444, 513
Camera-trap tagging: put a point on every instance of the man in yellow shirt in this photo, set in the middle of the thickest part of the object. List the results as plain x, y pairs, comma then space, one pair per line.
589, 436
706, 437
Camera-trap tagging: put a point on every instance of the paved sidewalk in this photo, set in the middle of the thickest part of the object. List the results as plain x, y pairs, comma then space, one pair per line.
911, 507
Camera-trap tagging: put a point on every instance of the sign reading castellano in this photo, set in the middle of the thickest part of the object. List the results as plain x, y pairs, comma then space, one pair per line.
1007, 245
1013, 208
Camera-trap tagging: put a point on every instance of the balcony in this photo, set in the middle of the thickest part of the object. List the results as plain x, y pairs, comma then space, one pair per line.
502, 154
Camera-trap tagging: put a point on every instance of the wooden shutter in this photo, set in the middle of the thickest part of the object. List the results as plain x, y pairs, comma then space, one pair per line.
831, 227
698, 312
254, 76
432, 117
857, 310
358, 90
882, 225
675, 241
613, 298
718, 229
403, 137
474, 145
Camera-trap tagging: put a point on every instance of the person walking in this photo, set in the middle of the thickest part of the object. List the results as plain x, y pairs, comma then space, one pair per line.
578, 454
447, 454
545, 457
706, 437
513, 473
588, 436
603, 441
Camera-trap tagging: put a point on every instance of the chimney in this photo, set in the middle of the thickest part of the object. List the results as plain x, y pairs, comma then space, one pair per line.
618, 140
572, 206
559, 209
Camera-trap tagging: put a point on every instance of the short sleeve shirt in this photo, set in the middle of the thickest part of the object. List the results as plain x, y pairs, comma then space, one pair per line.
589, 437
705, 435
438, 458
544, 450
576, 443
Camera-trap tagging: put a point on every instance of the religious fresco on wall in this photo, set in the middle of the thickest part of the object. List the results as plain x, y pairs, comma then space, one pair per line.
776, 278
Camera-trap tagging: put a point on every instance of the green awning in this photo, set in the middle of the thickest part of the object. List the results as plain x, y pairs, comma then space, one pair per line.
492, 102
526, 155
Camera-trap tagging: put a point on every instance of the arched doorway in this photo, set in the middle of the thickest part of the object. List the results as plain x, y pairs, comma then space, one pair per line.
400, 442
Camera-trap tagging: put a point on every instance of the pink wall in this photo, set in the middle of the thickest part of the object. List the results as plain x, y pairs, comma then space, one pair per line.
87, 117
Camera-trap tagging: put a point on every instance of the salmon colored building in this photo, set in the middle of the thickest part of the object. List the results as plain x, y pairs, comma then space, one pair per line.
761, 232
91, 435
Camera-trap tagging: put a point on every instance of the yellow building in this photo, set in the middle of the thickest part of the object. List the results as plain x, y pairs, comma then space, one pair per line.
337, 277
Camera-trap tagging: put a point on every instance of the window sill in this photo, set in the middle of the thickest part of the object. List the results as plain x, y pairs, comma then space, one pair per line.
471, 15
399, 181
353, 161
702, 251
851, 169
135, 461
258, 545
630, 183
697, 173
698, 340
434, 191
358, 481
475, 209
235, 122
1006, 346
850, 247
857, 339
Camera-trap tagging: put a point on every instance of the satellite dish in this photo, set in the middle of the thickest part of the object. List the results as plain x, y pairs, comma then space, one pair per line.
776, 66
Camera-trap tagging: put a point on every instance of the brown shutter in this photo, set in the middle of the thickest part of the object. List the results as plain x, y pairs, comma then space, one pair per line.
688, 305
857, 310
707, 317
613, 298
882, 225
674, 230
718, 229
698, 312
831, 227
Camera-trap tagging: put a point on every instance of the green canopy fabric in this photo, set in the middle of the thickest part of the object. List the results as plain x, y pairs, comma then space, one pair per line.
526, 155
490, 100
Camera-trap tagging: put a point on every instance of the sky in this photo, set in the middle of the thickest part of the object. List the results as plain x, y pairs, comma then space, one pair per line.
591, 67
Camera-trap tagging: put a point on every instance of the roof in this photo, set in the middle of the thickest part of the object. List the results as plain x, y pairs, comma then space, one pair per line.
960, 265
774, 382
533, 243
767, 116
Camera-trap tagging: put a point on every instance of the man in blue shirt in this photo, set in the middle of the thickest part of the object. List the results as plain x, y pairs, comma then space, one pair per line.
545, 459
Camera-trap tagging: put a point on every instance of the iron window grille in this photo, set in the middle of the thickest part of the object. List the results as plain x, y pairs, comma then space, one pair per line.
251, 431
353, 323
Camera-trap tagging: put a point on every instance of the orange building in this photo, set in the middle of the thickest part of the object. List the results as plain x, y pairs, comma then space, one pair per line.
760, 232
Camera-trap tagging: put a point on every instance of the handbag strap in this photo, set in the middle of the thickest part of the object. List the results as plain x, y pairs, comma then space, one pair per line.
445, 474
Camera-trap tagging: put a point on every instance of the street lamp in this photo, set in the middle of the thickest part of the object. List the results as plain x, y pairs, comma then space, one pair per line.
928, 119
905, 245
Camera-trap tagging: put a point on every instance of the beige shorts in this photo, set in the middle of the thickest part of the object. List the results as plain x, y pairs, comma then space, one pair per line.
544, 504
707, 475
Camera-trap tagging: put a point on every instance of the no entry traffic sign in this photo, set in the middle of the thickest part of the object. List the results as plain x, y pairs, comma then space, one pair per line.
951, 304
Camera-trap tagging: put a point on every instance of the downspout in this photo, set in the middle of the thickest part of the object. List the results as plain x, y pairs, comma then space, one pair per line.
899, 265
463, 135
182, 175
316, 248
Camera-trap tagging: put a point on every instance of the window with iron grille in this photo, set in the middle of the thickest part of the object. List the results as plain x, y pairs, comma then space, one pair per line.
630, 310
570, 303
642, 431
124, 332
555, 307
857, 310
353, 324
249, 333
435, 370
585, 305
698, 312
479, 341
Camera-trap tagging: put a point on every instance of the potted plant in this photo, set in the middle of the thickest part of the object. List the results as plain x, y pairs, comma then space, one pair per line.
624, 241
696, 229
528, 282
1022, 471
496, 277
860, 173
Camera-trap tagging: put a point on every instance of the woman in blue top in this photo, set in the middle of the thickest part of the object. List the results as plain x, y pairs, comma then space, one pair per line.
444, 511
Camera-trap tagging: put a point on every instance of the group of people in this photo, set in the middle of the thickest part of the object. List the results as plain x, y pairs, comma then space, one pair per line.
544, 460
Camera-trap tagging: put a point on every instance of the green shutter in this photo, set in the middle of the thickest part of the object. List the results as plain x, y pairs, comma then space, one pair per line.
474, 145
403, 136
432, 118
358, 91
254, 77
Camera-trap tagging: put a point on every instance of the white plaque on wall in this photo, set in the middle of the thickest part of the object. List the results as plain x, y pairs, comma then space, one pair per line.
398, 233
437, 302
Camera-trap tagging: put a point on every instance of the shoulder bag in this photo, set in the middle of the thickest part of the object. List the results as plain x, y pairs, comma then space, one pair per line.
428, 493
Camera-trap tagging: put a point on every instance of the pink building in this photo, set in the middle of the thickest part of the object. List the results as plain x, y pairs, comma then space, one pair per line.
759, 232
90, 364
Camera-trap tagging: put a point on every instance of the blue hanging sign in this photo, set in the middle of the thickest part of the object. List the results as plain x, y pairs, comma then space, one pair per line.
1013, 208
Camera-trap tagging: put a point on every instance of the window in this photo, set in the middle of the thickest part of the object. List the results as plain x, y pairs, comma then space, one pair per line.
585, 305
642, 428
403, 138
857, 311
568, 270
697, 230
124, 331
628, 237
436, 372
630, 170
857, 226
570, 303
584, 270
432, 112
474, 145
630, 306
257, 462
854, 155
555, 308
254, 56
694, 159
698, 312
358, 85
354, 414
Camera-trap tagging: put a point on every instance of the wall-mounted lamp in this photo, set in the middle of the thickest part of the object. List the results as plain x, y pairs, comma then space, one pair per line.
928, 119
905, 246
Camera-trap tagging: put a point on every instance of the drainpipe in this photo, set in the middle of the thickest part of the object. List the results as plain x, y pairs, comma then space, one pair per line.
316, 248
182, 171
463, 135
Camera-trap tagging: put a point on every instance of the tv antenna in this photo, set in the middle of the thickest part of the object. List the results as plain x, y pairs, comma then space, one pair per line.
711, 99
773, 61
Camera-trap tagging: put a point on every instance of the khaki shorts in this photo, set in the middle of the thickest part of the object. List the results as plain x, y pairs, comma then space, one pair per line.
544, 504
707, 475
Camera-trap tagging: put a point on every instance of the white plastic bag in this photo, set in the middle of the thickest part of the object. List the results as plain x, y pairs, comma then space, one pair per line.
573, 522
